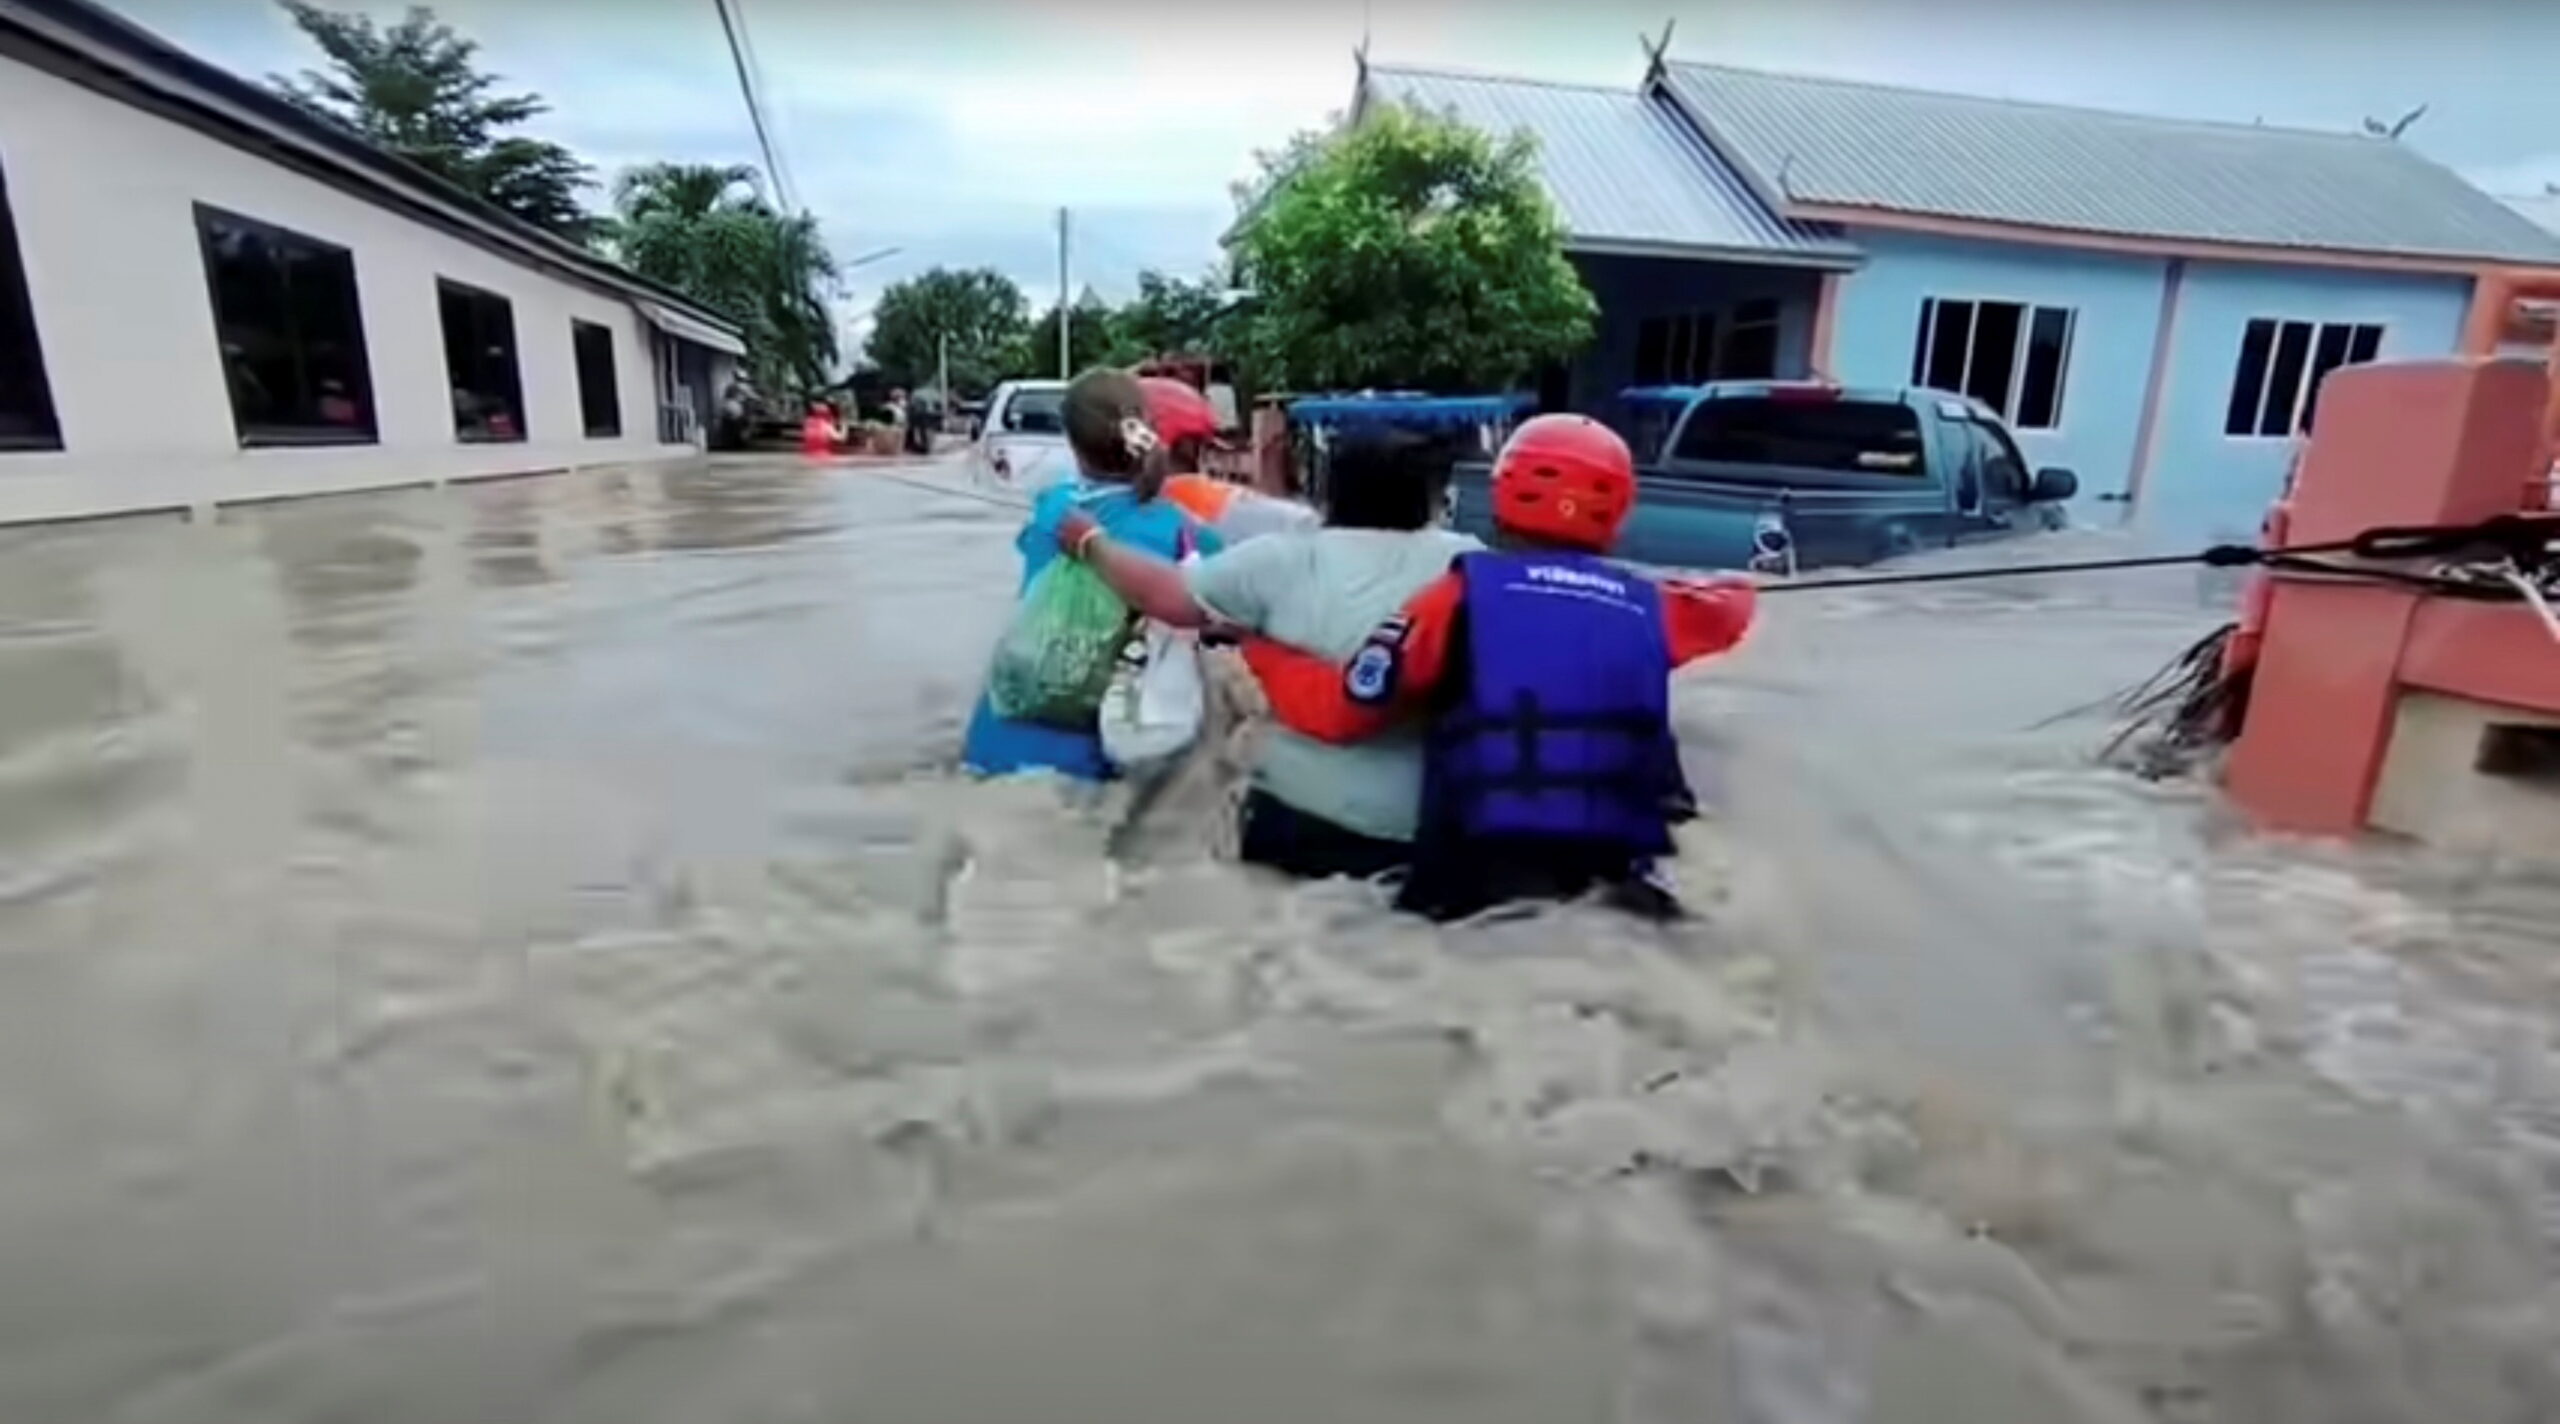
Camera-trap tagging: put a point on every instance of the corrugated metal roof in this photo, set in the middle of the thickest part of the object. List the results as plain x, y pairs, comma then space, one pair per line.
1626, 174
2543, 209
1827, 141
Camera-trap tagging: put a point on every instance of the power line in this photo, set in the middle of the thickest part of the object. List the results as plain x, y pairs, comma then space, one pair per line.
785, 180
747, 91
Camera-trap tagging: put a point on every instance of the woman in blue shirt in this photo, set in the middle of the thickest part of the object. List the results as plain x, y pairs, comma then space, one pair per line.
1116, 483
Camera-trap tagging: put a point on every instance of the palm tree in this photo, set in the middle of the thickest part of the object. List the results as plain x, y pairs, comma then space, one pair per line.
706, 230
686, 190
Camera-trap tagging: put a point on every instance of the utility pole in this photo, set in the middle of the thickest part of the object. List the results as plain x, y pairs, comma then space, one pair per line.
1066, 314
942, 378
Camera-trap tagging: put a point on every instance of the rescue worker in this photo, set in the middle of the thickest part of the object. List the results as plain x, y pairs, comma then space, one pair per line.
819, 433
1186, 422
1549, 769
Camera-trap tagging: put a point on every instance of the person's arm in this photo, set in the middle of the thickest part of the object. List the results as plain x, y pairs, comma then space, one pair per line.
1395, 669
1163, 590
1705, 617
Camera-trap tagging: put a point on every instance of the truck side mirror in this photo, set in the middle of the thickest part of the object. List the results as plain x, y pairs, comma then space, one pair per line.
2053, 485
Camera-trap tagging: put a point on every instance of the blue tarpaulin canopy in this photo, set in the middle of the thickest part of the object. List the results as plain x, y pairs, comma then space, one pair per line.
1659, 395
1408, 410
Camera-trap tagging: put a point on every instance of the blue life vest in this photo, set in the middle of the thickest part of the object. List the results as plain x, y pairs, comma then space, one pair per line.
1557, 723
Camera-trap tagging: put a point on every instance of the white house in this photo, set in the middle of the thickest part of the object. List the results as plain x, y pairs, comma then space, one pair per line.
207, 296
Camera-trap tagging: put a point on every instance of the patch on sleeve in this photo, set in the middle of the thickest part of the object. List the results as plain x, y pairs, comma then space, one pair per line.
1370, 678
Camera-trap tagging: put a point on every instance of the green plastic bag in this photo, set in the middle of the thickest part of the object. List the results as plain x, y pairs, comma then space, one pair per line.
1055, 659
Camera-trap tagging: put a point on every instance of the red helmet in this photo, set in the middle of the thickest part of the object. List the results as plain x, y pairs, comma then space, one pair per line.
1177, 411
1564, 479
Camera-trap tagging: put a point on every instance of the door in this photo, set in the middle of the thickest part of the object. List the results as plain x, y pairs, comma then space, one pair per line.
1988, 478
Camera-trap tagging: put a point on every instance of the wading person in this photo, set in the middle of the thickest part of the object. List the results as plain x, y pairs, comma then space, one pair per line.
1314, 809
1114, 488
1187, 424
1541, 672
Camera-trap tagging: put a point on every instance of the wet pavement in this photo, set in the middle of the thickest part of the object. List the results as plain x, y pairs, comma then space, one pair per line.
519, 953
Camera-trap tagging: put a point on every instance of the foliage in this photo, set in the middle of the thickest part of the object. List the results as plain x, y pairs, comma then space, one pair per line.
1170, 314
1408, 251
414, 88
979, 309
704, 230
1095, 337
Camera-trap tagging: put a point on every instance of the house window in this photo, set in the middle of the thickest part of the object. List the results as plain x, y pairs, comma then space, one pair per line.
480, 363
2275, 386
2010, 356
1675, 350
1736, 345
292, 337
1750, 350
26, 398
599, 399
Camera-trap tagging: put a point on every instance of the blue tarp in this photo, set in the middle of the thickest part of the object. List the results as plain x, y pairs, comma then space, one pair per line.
1410, 410
1659, 395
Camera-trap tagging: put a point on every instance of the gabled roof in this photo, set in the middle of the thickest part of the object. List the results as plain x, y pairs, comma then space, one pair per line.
88, 45
1833, 144
2542, 209
1627, 174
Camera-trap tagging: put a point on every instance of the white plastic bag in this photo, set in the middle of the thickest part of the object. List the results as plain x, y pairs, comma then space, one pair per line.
1153, 710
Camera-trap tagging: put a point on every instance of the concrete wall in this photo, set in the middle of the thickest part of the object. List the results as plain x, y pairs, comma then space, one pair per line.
103, 196
2203, 485
2117, 301
1633, 289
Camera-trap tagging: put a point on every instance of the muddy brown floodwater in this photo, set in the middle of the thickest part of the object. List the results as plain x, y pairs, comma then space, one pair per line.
519, 953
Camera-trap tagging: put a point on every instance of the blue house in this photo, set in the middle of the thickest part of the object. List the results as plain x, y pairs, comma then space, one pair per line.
2152, 302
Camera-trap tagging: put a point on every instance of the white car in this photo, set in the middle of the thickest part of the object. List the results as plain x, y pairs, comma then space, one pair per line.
1022, 442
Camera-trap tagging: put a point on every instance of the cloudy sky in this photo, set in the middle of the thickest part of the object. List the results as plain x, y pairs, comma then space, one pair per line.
954, 129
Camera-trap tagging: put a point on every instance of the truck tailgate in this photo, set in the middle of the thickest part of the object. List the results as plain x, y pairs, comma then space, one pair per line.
1698, 521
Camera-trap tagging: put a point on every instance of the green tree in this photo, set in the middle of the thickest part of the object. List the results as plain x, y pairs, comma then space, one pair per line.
1170, 315
1410, 250
704, 230
979, 309
415, 88
1096, 338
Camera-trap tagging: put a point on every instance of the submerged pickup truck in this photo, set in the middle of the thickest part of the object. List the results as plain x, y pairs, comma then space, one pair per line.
1778, 476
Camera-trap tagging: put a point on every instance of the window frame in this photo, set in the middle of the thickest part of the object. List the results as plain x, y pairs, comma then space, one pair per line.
274, 437
1707, 353
2022, 347
515, 363
578, 328
2305, 401
46, 414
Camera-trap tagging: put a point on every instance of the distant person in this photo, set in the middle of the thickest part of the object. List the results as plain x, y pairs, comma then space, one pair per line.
1542, 673
1315, 809
819, 433
1114, 489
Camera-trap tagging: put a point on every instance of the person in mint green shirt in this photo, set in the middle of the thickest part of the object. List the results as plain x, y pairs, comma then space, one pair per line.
1316, 809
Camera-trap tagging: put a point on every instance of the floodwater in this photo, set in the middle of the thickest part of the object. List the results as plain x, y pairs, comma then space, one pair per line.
518, 953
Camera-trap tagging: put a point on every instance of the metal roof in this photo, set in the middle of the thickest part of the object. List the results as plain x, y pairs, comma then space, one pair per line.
92, 46
2543, 209
1626, 173
1834, 142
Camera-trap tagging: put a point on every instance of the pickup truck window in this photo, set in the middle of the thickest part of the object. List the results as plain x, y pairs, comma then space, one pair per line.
1847, 436
1035, 412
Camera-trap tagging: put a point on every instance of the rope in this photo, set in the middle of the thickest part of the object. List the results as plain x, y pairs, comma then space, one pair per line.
2531, 593
2524, 537
2221, 556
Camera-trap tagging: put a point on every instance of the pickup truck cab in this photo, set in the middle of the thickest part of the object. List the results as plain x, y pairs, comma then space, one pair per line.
1778, 476
1022, 442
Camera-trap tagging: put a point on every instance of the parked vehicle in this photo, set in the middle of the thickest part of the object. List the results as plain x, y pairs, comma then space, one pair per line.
1786, 475
1022, 442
